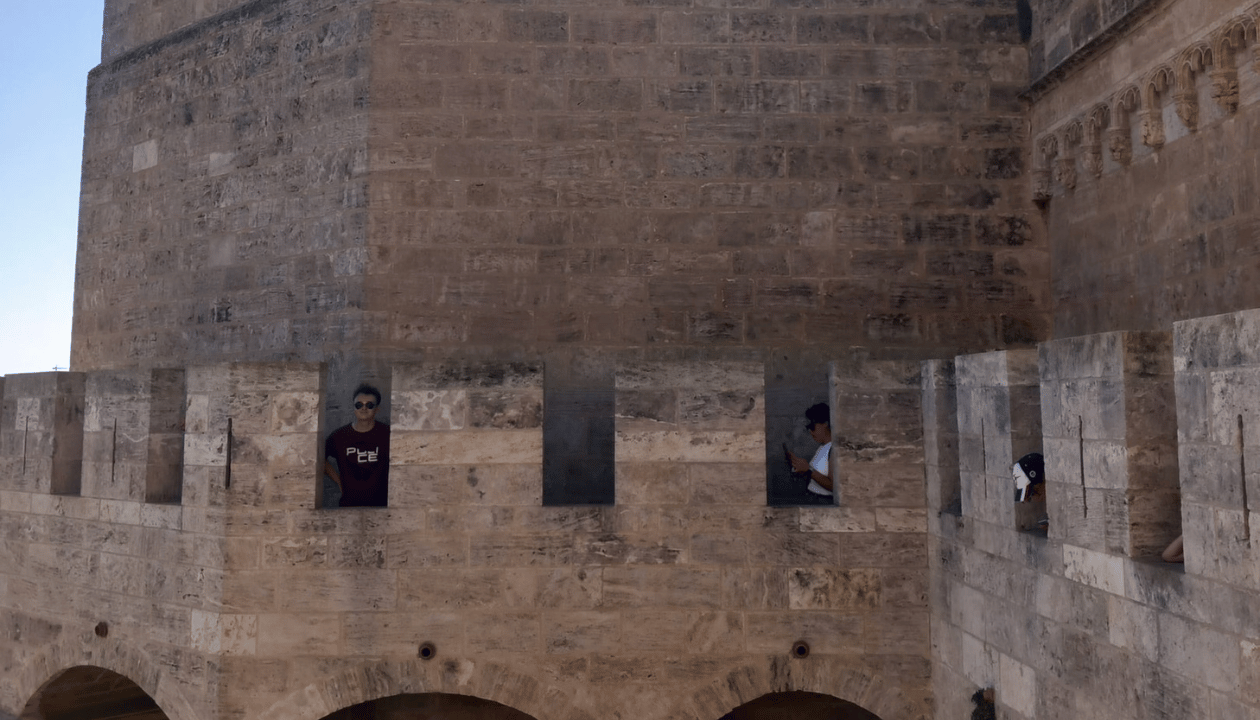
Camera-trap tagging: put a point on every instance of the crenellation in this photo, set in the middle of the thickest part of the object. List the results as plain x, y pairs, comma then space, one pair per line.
42, 432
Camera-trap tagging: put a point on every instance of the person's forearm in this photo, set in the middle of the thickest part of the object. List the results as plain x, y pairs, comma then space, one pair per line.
821, 479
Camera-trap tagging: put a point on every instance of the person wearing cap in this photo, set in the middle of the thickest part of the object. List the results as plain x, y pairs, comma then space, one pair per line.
1029, 473
357, 455
818, 469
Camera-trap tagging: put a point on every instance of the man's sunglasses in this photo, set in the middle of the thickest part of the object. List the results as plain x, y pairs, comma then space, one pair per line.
370, 405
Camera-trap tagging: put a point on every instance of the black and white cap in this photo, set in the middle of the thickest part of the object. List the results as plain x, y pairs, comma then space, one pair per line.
1028, 471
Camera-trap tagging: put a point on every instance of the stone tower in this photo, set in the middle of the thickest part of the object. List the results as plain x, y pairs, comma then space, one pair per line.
367, 182
600, 255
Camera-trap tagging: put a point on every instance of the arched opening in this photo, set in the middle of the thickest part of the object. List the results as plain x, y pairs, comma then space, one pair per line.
429, 706
797, 705
91, 693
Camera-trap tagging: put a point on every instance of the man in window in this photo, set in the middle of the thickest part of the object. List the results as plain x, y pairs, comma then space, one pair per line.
356, 456
818, 422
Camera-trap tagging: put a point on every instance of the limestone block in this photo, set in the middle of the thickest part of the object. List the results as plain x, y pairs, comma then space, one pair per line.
792, 549
828, 589
397, 634
498, 632
1105, 572
430, 410
646, 586
310, 590
581, 632
224, 634
465, 448
1202, 654
723, 484
696, 446
901, 520
826, 633
418, 551
841, 520
755, 588
298, 634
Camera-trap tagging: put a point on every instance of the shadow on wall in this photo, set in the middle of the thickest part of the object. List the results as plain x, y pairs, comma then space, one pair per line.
799, 706
429, 706
92, 692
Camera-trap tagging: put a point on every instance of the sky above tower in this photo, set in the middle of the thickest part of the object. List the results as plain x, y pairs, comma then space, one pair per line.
45, 57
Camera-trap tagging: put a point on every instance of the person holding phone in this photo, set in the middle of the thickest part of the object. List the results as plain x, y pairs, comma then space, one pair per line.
818, 469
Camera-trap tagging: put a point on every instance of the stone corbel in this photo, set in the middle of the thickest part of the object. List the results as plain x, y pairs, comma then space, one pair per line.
1065, 166
1047, 148
1119, 140
1190, 64
1225, 63
1152, 112
1091, 150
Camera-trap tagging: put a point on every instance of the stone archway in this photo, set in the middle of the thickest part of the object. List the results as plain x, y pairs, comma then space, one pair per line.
87, 692
878, 694
429, 706
111, 654
380, 679
799, 705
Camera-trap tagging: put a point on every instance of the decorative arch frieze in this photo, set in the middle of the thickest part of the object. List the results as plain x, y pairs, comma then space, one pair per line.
1154, 88
1218, 55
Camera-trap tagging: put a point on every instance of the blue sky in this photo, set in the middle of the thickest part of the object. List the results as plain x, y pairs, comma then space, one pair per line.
47, 51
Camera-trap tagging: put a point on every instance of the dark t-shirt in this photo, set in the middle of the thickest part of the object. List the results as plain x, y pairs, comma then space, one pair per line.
363, 462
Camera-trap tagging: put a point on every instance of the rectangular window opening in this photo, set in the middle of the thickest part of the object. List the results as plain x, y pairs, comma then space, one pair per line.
579, 430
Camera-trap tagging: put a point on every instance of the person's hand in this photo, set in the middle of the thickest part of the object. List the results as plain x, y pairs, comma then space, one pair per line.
799, 464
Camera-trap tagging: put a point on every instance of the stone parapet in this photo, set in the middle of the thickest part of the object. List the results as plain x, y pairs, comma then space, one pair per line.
41, 432
243, 597
1110, 428
1218, 377
1085, 623
133, 435
999, 421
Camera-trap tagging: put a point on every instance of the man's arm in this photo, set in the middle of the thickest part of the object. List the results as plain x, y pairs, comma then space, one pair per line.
330, 469
821, 479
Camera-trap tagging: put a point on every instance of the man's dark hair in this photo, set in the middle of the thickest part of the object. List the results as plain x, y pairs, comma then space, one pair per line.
818, 414
365, 389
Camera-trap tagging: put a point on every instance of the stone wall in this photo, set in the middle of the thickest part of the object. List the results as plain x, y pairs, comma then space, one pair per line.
1077, 624
245, 599
1065, 35
679, 174
378, 182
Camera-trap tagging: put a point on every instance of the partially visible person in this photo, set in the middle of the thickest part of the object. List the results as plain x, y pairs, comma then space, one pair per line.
1176, 551
1029, 473
818, 469
356, 456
